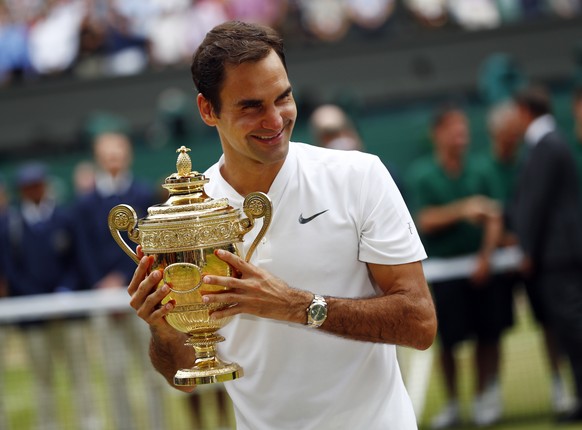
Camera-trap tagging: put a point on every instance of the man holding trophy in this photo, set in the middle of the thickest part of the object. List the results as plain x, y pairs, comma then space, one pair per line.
333, 285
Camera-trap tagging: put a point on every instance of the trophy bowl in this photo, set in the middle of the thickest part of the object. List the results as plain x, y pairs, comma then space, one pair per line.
183, 234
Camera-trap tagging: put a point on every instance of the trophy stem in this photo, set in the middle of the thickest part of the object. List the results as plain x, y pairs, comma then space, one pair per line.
208, 368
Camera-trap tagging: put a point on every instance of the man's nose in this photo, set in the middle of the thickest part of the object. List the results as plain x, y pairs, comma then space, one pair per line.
273, 119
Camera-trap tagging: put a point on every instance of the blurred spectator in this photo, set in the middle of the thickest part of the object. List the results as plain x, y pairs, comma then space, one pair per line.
84, 178
505, 138
266, 12
53, 42
327, 20
546, 217
123, 37
203, 16
370, 14
168, 35
92, 33
500, 76
577, 115
126, 53
3, 293
103, 264
14, 60
332, 128
505, 130
4, 202
38, 258
475, 14
448, 194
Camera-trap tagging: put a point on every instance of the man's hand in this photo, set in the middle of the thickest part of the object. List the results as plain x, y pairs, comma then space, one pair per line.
476, 209
111, 280
482, 271
146, 298
256, 292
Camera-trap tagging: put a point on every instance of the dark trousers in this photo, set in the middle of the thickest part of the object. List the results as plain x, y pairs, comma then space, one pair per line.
562, 291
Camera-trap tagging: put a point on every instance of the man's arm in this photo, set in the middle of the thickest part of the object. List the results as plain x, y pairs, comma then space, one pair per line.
403, 314
474, 209
167, 350
492, 234
479, 210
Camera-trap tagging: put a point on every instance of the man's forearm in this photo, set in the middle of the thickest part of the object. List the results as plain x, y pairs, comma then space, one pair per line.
168, 354
492, 234
403, 315
394, 319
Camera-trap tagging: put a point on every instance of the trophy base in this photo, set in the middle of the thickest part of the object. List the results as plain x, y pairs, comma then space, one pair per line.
218, 372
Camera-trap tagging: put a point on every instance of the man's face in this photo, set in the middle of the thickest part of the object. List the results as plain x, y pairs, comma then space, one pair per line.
507, 137
113, 153
33, 192
257, 115
452, 135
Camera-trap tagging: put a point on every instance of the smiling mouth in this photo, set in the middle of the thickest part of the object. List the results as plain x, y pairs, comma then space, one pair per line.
268, 138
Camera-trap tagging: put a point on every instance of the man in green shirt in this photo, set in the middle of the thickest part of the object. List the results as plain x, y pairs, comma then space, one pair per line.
448, 196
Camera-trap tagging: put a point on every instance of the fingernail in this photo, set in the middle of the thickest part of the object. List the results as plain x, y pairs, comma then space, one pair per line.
220, 252
206, 279
169, 306
143, 259
156, 275
165, 288
205, 299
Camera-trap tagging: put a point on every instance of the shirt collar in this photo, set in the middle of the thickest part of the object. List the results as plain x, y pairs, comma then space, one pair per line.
107, 185
34, 214
539, 128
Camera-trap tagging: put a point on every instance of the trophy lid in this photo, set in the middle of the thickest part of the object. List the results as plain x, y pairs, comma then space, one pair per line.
187, 196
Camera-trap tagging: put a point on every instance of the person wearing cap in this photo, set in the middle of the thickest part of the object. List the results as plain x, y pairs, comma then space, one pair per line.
38, 258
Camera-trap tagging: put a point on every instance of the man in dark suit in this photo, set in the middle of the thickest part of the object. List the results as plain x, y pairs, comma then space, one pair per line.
547, 219
104, 265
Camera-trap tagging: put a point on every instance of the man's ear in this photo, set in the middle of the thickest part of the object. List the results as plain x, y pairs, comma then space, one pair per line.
206, 110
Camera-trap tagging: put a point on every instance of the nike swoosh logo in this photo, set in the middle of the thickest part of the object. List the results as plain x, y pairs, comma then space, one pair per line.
311, 218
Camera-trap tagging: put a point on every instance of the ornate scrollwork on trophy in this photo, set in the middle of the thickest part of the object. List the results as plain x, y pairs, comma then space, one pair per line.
183, 238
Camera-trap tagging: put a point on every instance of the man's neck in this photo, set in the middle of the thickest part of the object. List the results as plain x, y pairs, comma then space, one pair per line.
538, 128
453, 166
248, 180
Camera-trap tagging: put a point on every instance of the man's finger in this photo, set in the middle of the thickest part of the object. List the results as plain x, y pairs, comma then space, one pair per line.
139, 274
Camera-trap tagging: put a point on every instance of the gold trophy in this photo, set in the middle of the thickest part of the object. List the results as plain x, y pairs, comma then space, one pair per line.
182, 234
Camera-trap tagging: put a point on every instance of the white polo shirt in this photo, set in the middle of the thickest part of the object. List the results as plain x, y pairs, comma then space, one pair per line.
297, 377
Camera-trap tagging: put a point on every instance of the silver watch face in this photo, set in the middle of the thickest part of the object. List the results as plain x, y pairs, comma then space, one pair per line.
318, 312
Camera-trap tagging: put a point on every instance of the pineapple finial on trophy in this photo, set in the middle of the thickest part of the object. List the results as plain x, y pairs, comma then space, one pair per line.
183, 164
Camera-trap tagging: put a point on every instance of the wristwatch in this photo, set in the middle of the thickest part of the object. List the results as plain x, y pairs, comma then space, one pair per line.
317, 311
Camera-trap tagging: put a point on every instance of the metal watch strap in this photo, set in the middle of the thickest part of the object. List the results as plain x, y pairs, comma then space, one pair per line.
320, 302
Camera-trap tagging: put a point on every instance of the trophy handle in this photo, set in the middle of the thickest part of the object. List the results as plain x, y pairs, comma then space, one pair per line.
257, 205
124, 218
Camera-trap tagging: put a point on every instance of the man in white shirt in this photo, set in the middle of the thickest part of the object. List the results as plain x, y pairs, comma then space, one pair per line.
341, 241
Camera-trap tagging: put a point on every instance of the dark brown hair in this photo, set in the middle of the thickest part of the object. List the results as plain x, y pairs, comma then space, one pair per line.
233, 42
536, 99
